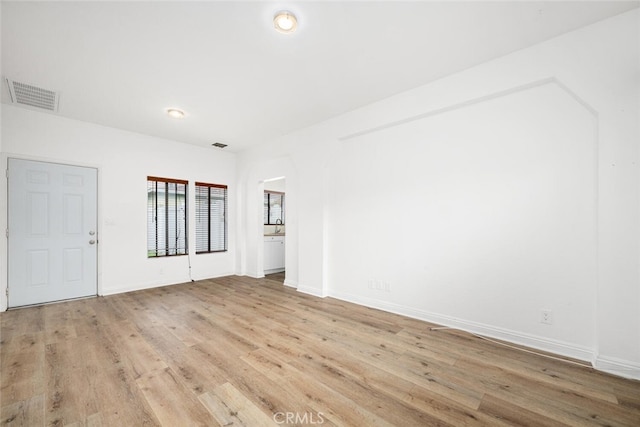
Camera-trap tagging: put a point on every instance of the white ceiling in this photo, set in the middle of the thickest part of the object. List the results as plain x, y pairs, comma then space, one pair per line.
121, 64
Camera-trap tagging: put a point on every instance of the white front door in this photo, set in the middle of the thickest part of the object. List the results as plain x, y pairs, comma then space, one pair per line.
52, 232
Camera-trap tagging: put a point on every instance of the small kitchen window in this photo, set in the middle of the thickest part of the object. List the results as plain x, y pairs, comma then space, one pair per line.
273, 208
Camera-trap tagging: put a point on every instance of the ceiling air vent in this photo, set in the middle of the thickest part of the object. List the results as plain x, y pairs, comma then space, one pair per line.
33, 96
219, 145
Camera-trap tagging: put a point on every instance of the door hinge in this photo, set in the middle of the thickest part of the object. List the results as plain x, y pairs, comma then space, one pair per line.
7, 233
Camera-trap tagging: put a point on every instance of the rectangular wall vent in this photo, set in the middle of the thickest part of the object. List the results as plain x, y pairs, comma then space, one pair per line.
33, 96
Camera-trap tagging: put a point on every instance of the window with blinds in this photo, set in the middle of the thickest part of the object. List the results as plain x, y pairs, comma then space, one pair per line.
166, 217
211, 218
273, 208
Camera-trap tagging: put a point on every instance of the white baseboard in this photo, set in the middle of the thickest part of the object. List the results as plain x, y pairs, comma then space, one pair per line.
150, 285
253, 275
523, 339
138, 287
311, 291
622, 368
291, 283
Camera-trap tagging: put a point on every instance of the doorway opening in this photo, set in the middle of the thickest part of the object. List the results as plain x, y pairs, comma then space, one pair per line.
274, 228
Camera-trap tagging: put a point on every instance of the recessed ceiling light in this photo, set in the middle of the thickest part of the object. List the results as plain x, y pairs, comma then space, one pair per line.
285, 22
175, 113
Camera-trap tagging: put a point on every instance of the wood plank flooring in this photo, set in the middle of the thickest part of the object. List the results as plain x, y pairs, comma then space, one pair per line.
246, 352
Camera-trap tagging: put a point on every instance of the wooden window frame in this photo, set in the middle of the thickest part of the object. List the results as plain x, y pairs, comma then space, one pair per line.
208, 233
156, 251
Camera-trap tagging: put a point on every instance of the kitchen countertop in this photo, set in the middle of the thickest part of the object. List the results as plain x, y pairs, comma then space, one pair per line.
275, 234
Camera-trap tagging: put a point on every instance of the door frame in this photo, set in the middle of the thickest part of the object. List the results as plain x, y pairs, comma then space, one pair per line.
4, 195
261, 189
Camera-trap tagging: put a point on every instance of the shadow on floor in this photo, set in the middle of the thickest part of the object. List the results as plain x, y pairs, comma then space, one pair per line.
276, 277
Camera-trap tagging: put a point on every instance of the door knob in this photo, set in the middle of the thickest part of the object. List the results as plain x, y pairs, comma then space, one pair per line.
92, 242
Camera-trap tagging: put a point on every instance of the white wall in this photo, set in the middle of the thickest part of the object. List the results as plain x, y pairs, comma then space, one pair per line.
124, 160
512, 186
493, 220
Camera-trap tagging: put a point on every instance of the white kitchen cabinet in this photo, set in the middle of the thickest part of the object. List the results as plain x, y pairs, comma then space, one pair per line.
273, 254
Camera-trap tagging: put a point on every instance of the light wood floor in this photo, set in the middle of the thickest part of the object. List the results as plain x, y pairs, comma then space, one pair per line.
246, 352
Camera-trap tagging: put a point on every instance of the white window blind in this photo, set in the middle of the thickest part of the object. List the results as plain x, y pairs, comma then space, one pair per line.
211, 218
166, 217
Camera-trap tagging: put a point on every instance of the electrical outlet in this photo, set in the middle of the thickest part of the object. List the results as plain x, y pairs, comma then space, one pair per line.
379, 285
547, 317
